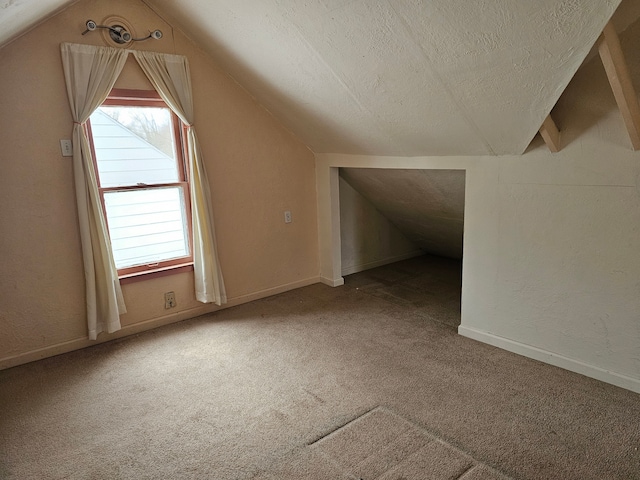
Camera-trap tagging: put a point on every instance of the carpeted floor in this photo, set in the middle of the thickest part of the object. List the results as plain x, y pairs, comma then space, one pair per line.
368, 380
382, 445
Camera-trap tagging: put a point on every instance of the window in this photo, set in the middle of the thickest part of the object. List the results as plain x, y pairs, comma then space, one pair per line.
138, 149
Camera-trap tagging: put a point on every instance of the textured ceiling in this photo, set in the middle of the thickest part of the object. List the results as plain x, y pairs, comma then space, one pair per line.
390, 77
18, 16
407, 78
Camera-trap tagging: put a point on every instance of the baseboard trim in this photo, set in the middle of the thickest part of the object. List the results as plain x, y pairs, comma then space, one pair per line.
250, 297
139, 327
332, 282
379, 263
607, 376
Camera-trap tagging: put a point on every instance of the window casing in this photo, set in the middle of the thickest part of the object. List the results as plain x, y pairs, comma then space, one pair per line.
138, 147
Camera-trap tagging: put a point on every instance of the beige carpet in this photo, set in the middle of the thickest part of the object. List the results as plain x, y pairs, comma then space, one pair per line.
275, 390
381, 445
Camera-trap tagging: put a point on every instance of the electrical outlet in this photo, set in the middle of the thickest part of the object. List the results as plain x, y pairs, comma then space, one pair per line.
67, 148
169, 300
287, 217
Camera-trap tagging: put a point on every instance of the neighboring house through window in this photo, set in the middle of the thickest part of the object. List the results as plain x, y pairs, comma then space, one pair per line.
138, 150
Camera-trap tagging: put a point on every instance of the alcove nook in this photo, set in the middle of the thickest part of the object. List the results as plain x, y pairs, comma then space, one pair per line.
401, 232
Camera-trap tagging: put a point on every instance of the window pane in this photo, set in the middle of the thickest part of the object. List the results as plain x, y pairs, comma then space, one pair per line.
134, 145
147, 226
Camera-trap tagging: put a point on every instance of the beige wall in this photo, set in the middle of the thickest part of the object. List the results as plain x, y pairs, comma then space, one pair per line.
257, 169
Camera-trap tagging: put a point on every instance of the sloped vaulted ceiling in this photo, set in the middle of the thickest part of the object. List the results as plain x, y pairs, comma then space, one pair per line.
388, 77
391, 77
17, 16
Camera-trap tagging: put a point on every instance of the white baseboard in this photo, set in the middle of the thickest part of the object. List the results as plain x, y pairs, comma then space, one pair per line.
332, 282
379, 263
126, 330
607, 376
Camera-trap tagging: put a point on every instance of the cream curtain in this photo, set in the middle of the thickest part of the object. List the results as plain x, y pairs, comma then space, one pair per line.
169, 74
90, 73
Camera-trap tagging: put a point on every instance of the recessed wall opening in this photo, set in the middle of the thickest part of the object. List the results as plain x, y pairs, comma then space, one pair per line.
401, 236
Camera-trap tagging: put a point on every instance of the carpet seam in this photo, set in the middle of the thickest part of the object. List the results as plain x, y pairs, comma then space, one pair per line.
325, 435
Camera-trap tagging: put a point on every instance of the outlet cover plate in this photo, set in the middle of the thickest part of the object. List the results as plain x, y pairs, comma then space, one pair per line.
169, 300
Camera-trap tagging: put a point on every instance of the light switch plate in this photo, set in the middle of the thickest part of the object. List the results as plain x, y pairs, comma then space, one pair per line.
67, 148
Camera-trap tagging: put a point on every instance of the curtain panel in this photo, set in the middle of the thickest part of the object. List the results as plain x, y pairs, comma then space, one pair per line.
90, 73
169, 74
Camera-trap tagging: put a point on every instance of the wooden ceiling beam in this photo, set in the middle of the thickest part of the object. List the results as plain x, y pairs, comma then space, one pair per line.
550, 134
620, 81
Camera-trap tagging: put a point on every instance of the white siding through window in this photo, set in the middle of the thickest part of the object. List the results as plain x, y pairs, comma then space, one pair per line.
147, 225
124, 158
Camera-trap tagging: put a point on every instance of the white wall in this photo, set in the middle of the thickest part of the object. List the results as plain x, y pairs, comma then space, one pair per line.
551, 266
368, 239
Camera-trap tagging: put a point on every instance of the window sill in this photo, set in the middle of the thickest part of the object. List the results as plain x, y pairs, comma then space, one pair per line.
162, 272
